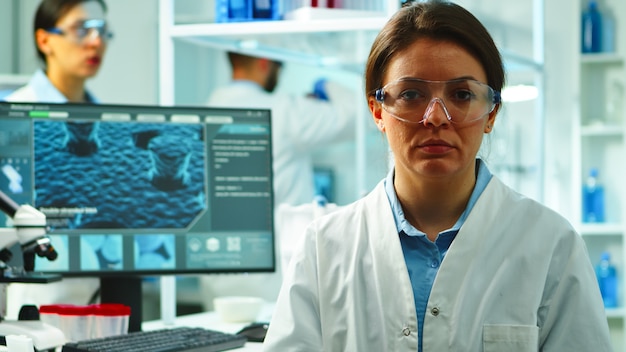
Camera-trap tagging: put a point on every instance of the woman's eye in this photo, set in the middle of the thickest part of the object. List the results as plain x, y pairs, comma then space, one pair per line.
409, 95
463, 95
81, 32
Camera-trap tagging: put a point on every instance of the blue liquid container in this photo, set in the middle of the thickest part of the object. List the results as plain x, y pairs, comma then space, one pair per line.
607, 280
246, 10
608, 33
238, 9
262, 9
591, 27
593, 198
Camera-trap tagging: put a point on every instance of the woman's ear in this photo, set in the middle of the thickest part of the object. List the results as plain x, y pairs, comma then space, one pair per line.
42, 40
376, 111
491, 120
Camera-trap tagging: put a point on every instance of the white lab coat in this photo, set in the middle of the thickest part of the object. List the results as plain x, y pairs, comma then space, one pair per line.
40, 90
516, 278
300, 125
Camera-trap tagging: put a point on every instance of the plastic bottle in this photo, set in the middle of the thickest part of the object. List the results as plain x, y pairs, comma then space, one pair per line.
593, 198
591, 29
237, 10
265, 9
615, 103
607, 280
608, 32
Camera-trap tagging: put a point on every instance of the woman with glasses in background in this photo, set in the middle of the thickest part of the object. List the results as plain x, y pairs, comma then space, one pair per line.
441, 255
71, 39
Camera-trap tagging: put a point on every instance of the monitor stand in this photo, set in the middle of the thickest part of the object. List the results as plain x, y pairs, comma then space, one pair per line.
44, 336
125, 290
168, 300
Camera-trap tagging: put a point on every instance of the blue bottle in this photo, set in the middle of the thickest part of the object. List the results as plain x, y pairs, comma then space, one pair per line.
591, 29
265, 9
607, 280
608, 33
593, 198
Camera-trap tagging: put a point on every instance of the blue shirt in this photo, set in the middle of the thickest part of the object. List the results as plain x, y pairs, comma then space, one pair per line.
422, 256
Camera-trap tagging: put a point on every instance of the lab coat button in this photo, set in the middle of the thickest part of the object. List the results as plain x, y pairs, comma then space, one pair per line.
406, 331
434, 311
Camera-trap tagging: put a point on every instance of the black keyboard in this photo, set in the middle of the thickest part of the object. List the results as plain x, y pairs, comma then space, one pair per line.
178, 339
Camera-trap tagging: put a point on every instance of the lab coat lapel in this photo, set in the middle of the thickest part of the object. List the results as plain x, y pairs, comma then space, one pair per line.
450, 284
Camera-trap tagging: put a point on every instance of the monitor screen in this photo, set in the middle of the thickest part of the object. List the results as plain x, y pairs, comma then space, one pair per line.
143, 190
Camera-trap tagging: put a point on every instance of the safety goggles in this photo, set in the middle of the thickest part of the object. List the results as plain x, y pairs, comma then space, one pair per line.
462, 100
85, 31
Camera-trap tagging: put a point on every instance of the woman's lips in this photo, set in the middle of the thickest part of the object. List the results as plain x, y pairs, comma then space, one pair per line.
94, 61
435, 147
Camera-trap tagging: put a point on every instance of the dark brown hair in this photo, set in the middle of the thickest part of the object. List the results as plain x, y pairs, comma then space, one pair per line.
50, 11
439, 20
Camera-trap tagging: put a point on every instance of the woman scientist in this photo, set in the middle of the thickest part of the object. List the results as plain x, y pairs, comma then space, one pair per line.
441, 255
71, 38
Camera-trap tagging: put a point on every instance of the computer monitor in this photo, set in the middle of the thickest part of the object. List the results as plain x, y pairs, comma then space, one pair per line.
131, 191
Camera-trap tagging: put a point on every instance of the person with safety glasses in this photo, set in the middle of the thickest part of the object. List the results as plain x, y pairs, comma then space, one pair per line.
441, 255
71, 38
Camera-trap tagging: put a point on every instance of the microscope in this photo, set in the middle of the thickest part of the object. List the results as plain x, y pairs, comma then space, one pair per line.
30, 231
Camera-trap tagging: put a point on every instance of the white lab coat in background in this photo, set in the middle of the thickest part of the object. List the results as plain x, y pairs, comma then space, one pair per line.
300, 125
40, 90
517, 277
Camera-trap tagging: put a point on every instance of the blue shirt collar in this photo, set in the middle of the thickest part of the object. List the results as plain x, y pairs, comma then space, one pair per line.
402, 225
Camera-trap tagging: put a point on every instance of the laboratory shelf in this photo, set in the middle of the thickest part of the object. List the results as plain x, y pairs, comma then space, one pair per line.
318, 42
596, 229
257, 28
601, 58
602, 130
334, 42
615, 313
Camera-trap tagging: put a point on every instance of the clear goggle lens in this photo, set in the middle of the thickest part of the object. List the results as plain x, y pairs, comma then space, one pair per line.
85, 31
462, 100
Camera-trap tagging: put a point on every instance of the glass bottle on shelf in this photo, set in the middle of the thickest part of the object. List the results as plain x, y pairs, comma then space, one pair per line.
607, 280
593, 198
591, 28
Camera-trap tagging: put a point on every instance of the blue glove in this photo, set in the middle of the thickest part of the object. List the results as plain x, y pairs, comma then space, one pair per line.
319, 89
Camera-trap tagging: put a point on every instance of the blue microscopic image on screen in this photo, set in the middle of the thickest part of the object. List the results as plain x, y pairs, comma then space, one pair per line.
119, 175
101, 252
155, 252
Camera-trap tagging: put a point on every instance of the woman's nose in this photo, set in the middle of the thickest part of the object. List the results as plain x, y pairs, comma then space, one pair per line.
94, 37
436, 113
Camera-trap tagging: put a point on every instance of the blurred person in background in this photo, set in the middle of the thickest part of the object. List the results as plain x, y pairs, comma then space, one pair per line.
301, 125
71, 38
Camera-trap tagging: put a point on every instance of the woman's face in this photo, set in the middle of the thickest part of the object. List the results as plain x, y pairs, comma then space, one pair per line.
435, 148
66, 52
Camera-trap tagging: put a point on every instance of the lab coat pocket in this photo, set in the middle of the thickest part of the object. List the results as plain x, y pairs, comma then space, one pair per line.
510, 338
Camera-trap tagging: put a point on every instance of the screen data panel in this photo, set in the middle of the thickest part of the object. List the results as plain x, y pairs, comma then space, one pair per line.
143, 189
